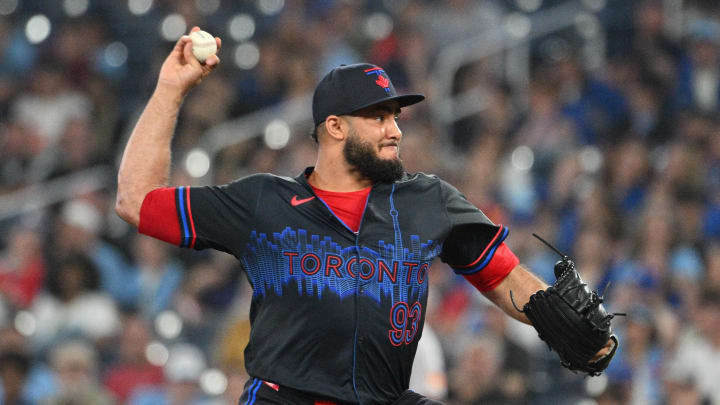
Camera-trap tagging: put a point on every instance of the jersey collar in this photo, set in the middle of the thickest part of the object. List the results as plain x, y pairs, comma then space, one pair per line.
302, 177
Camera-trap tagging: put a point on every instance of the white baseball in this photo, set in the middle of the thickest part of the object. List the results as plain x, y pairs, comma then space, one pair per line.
204, 45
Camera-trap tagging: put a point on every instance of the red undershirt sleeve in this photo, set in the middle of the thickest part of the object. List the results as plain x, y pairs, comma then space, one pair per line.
159, 216
492, 265
499, 266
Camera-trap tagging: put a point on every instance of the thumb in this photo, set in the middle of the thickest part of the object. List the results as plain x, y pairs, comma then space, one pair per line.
177, 50
189, 57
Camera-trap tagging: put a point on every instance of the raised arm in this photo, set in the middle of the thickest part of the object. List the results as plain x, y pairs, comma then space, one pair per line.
145, 164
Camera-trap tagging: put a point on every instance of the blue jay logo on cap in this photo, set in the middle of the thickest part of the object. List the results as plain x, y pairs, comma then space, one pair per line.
382, 79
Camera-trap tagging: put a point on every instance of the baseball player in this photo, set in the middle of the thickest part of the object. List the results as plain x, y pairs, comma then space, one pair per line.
338, 257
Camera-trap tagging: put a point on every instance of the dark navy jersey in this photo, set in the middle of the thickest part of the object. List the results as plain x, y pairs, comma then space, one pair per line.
334, 312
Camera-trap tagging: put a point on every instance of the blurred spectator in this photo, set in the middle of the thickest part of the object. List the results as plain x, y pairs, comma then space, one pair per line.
428, 374
514, 378
205, 108
78, 231
182, 371
234, 337
712, 260
74, 45
592, 254
656, 49
545, 129
22, 267
231, 349
711, 219
49, 105
76, 365
17, 57
20, 146
156, 278
698, 352
628, 175
637, 367
4, 311
203, 297
683, 392
650, 119
74, 305
341, 39
77, 149
14, 368
599, 111
475, 378
264, 86
131, 369
480, 181
613, 395
39, 382
698, 81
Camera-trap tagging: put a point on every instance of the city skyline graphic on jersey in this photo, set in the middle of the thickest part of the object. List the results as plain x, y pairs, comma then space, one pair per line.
320, 265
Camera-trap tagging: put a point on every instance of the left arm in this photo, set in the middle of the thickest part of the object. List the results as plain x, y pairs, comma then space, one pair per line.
523, 284
474, 248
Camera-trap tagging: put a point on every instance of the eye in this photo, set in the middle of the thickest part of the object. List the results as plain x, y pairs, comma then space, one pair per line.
397, 117
380, 118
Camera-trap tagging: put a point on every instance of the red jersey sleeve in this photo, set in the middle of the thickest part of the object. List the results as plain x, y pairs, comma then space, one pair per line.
160, 216
202, 217
497, 268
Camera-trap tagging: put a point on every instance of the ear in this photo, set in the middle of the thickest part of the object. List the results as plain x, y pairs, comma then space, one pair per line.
336, 127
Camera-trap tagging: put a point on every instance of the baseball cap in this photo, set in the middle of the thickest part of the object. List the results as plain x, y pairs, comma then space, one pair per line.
349, 88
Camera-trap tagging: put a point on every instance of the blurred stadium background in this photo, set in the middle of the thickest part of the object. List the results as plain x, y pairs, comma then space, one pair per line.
591, 122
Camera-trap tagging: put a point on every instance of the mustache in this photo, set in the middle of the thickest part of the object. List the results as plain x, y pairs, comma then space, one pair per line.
364, 159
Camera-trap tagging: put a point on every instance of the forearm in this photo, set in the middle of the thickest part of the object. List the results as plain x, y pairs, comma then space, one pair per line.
146, 160
523, 284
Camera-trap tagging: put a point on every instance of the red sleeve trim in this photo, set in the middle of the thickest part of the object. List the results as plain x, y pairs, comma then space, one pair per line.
159, 216
190, 217
502, 263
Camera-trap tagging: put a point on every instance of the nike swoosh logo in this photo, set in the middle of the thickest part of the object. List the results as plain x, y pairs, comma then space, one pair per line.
295, 202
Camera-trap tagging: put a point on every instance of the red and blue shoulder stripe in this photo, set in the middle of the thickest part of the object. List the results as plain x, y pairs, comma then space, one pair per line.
166, 214
184, 211
492, 266
486, 256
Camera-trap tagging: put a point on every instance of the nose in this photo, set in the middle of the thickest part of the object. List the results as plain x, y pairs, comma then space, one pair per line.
393, 130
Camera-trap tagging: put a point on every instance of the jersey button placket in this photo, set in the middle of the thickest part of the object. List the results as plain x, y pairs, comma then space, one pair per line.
360, 287
357, 337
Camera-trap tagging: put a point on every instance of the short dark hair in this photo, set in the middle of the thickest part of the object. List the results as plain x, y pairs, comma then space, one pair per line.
314, 132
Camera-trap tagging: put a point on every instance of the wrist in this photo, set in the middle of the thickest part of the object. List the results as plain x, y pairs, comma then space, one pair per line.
168, 97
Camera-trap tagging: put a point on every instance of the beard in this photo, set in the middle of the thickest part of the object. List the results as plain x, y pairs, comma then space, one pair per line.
363, 159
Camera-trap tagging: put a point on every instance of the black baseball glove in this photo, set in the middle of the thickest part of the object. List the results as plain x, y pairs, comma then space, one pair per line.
571, 319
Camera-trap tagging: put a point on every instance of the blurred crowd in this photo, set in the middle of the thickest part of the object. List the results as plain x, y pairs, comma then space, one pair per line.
618, 166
